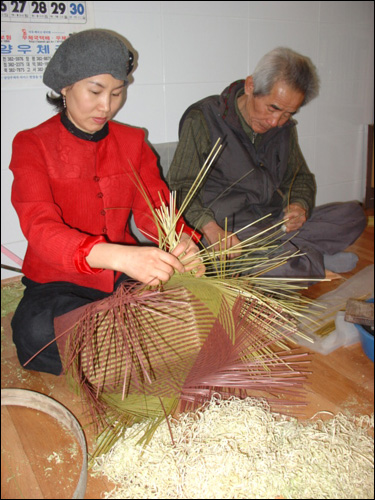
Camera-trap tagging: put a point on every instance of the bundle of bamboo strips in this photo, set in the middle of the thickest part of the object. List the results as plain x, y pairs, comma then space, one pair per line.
139, 353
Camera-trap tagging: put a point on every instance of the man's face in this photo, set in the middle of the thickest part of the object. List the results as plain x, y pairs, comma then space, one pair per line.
273, 110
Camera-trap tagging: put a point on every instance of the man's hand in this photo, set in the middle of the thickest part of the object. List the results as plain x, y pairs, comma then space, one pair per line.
295, 217
220, 240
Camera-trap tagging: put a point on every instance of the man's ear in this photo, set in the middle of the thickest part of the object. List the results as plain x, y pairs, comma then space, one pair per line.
249, 85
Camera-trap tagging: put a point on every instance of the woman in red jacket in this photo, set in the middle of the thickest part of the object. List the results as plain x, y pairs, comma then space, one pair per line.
76, 183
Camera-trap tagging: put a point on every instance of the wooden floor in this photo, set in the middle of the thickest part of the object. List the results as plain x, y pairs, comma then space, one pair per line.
340, 381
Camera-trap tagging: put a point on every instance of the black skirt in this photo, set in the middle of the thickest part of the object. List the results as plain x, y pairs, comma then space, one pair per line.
33, 320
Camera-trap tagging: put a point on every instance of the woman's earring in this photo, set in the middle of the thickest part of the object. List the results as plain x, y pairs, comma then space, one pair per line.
64, 101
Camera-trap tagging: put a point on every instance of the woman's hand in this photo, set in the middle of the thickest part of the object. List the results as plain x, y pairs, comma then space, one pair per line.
186, 251
149, 265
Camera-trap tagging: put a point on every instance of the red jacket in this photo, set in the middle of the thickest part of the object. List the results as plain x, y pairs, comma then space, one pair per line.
72, 193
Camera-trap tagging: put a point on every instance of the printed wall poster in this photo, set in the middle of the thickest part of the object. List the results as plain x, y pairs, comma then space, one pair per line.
30, 34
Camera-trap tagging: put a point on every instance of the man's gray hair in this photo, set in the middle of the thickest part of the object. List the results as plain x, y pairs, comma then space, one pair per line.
285, 65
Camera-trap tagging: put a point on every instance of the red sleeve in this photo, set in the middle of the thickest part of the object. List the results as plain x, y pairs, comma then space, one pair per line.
40, 217
82, 252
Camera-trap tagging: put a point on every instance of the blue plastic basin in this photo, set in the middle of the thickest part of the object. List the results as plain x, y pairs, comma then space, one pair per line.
367, 340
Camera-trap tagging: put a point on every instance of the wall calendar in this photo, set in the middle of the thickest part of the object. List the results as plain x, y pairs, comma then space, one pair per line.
30, 34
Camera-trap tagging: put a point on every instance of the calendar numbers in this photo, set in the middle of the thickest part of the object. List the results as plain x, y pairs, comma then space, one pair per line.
44, 12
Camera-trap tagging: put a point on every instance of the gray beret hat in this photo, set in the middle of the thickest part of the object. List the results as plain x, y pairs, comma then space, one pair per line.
88, 53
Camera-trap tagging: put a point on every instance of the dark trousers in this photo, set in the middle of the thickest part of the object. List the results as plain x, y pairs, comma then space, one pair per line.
33, 320
330, 229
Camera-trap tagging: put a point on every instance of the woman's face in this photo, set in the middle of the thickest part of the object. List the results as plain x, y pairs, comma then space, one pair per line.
91, 102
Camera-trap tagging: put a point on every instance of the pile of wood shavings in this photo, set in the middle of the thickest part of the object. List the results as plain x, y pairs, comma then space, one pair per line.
239, 449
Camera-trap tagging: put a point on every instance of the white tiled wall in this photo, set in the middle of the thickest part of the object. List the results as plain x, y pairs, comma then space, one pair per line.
188, 50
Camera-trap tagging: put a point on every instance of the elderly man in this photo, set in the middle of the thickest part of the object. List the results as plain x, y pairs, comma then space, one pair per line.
261, 169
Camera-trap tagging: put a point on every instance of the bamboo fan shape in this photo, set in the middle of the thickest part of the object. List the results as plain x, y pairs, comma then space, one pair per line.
137, 354
140, 352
